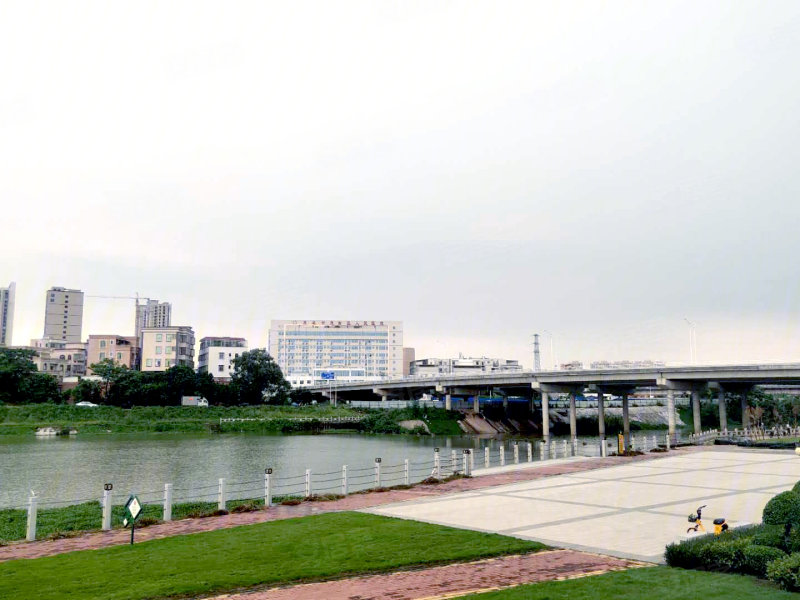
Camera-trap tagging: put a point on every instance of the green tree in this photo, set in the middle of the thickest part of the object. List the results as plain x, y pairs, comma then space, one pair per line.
258, 378
21, 382
87, 390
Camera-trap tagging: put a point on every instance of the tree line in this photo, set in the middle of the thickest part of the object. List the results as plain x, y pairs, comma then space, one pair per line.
256, 379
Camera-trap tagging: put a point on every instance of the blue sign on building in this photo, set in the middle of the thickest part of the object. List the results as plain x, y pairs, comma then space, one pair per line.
328, 375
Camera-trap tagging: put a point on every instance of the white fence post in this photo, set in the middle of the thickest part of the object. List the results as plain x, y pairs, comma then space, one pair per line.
516, 453
565, 448
406, 475
106, 507
437, 465
486, 457
502, 454
667, 441
221, 501
466, 462
308, 483
542, 451
453, 461
30, 531
344, 480
167, 512
603, 449
377, 472
530, 452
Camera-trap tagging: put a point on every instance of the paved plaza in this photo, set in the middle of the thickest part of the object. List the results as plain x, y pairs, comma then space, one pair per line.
631, 511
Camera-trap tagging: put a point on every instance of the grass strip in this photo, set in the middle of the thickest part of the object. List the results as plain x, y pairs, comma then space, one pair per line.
310, 548
663, 583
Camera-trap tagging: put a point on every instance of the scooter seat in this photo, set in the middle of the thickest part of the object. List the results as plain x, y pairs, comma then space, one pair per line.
719, 521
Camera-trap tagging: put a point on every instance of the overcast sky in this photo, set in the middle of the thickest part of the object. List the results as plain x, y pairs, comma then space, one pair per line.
479, 170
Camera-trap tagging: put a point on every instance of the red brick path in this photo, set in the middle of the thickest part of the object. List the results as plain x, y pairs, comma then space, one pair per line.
450, 580
116, 537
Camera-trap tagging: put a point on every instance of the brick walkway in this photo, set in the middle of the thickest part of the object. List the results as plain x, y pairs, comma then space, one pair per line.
450, 580
353, 502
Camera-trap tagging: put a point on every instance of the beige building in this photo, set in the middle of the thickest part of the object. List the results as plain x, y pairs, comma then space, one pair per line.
152, 313
165, 347
7, 314
59, 358
121, 349
63, 314
409, 354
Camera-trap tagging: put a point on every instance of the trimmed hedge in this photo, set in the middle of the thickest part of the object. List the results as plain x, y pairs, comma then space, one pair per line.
756, 559
784, 571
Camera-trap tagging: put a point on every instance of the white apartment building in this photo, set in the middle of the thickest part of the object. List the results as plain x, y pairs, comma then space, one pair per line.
63, 314
152, 313
433, 367
7, 313
351, 350
165, 347
217, 354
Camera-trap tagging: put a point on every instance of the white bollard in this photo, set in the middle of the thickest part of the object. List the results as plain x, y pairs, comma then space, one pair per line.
344, 478
30, 531
603, 449
566, 446
466, 462
377, 472
437, 464
308, 483
486, 457
530, 451
542, 451
666, 440
106, 508
502, 454
471, 463
406, 473
167, 513
516, 453
453, 461
267, 488
221, 500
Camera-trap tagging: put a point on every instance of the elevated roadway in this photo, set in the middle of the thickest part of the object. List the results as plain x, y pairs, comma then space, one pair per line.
695, 380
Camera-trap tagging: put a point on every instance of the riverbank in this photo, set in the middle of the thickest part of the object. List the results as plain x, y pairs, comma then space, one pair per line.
26, 419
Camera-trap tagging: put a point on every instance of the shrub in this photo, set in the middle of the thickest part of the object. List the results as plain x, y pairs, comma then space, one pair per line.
769, 535
783, 509
756, 558
725, 555
783, 571
686, 554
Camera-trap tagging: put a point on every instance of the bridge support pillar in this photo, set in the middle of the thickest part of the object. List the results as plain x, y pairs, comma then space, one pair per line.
671, 415
546, 420
723, 411
626, 421
601, 415
448, 402
696, 411
573, 422
476, 404
745, 415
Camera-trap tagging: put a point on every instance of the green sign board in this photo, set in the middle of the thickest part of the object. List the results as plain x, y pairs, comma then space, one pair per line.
133, 508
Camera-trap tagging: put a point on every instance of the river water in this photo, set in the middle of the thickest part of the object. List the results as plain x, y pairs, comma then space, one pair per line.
66, 470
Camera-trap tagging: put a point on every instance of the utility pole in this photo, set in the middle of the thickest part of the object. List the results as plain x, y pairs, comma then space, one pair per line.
692, 340
537, 363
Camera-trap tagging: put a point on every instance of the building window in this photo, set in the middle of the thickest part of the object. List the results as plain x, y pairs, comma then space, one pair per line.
159, 337
102, 343
158, 362
149, 362
221, 355
158, 349
167, 363
119, 355
221, 368
170, 337
102, 355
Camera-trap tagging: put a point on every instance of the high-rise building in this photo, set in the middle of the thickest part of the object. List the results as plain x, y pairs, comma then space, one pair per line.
123, 350
342, 350
63, 314
165, 347
152, 313
409, 355
217, 354
7, 313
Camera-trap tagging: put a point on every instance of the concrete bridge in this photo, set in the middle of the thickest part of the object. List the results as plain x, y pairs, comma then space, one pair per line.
694, 380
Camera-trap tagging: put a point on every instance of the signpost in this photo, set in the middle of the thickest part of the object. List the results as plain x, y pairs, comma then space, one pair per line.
133, 508
329, 376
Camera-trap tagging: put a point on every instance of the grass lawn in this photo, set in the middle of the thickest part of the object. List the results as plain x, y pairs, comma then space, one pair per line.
662, 583
324, 546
